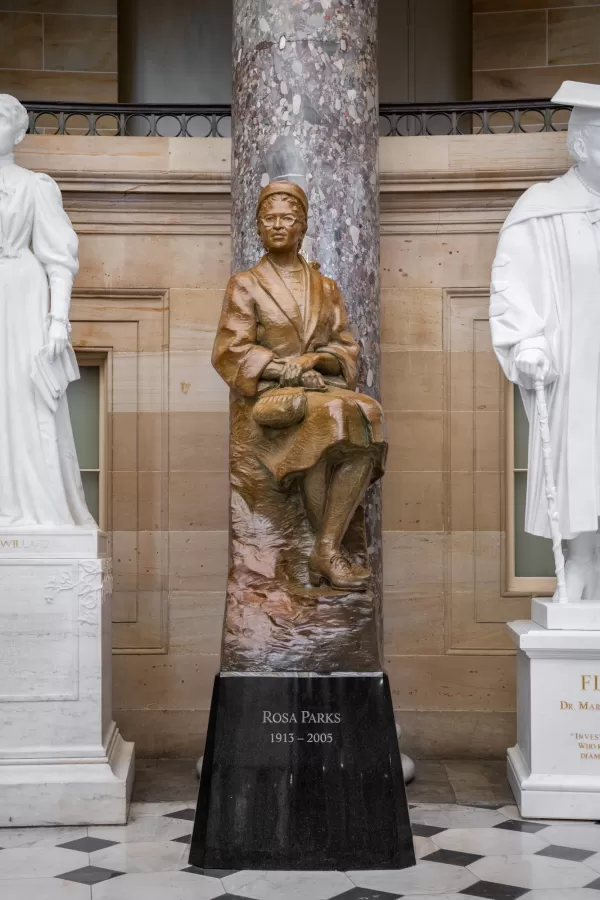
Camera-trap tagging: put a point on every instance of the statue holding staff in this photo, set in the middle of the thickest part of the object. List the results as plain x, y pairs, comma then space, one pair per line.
545, 323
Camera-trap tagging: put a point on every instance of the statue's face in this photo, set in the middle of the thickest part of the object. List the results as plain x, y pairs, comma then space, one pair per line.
279, 226
7, 134
591, 150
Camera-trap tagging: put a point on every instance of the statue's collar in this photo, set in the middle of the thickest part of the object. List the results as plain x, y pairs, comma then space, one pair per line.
274, 286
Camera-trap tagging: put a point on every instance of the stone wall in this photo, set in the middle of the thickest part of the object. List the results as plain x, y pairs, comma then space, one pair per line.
59, 49
153, 215
527, 48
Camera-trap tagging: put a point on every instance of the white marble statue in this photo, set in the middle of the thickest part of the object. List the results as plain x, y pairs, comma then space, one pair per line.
545, 321
40, 483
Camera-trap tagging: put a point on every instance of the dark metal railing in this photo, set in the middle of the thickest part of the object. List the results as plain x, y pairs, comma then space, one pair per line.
472, 117
131, 119
397, 120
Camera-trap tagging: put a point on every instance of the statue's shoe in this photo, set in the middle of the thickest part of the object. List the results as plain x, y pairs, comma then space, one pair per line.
338, 571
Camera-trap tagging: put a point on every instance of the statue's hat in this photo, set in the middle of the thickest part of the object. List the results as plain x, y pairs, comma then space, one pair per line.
585, 100
283, 187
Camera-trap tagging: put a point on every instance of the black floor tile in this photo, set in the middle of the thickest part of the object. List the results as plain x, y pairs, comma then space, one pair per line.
526, 827
366, 894
87, 844
571, 853
89, 875
425, 830
238, 897
489, 890
211, 873
594, 886
187, 814
452, 858
186, 839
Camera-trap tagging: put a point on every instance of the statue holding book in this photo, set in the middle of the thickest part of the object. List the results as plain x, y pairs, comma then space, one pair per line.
40, 482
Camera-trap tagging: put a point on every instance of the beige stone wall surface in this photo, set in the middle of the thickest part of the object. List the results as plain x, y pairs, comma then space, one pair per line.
59, 49
153, 216
527, 48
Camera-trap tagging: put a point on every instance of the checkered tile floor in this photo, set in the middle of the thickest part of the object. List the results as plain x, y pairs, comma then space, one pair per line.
463, 851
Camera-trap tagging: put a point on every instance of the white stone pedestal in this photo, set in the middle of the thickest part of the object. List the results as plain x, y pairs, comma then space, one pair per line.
62, 759
554, 770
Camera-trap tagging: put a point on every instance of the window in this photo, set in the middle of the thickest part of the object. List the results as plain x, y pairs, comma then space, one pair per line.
87, 408
530, 558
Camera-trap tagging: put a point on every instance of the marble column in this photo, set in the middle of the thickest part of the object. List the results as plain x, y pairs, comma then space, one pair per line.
305, 107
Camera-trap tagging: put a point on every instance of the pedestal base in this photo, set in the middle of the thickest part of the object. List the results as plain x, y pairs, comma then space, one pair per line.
69, 792
554, 770
62, 759
302, 772
565, 616
551, 796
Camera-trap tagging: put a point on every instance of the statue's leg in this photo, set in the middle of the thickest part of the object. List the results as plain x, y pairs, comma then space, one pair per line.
347, 486
314, 494
580, 570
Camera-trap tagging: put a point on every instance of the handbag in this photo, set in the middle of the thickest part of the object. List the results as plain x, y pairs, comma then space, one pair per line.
280, 408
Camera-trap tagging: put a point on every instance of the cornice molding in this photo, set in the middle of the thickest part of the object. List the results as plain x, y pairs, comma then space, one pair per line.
428, 185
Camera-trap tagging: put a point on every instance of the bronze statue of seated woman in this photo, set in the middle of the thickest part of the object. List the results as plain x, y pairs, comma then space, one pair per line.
285, 349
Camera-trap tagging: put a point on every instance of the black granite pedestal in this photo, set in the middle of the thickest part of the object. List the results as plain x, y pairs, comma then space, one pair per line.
302, 772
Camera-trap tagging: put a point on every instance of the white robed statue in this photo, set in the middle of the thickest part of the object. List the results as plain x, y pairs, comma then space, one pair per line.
40, 482
545, 323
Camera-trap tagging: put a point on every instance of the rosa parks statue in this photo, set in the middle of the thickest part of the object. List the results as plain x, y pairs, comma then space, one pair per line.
545, 321
315, 759
40, 483
304, 445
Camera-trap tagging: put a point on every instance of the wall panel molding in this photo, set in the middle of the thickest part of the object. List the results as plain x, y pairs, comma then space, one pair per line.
132, 327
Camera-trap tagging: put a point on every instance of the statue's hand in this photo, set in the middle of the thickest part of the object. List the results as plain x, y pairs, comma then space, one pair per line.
533, 363
58, 338
313, 381
296, 368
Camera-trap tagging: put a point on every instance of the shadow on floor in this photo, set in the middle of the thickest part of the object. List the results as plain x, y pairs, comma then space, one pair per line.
468, 782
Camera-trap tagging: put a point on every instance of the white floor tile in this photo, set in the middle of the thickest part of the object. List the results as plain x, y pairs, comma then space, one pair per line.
532, 872
167, 886
147, 828
426, 877
583, 837
561, 894
140, 810
511, 812
445, 897
39, 837
287, 885
452, 816
150, 856
490, 841
594, 863
423, 847
43, 889
39, 862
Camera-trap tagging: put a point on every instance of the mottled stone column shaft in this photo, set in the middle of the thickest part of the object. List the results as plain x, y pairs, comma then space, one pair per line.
305, 106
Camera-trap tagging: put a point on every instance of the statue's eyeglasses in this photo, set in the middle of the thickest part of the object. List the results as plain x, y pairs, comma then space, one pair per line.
271, 221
